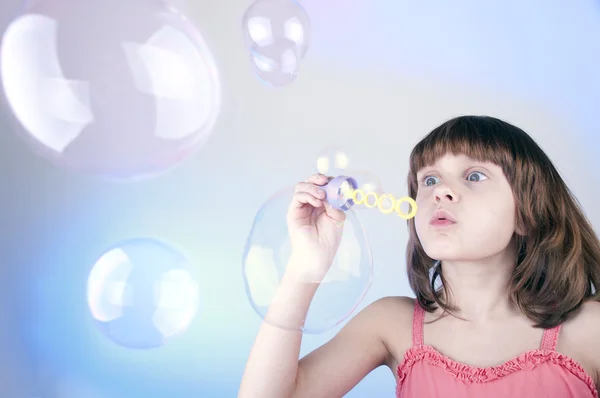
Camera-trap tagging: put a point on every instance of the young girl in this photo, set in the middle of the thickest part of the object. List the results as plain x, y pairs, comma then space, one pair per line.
502, 261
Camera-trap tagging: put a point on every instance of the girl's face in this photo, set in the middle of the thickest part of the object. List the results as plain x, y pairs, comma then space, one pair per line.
480, 201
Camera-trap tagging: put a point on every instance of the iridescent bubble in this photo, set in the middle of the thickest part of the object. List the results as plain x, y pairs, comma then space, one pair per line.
332, 160
267, 254
141, 294
277, 64
367, 181
269, 22
119, 89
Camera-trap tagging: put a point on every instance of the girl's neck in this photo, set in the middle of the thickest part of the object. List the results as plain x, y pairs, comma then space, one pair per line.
479, 289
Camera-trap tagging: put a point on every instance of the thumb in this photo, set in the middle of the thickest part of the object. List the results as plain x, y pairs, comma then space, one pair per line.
334, 214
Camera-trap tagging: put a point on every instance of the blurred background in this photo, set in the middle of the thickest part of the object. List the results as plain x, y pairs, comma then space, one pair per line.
377, 77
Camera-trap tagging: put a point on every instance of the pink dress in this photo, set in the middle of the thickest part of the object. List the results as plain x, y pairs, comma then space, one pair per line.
541, 373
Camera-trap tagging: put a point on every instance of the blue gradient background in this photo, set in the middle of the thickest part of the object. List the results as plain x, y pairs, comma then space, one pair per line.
379, 75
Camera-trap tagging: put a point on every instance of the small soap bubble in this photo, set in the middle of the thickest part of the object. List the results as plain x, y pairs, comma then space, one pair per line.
266, 257
367, 181
141, 293
369, 185
332, 160
276, 64
272, 22
121, 89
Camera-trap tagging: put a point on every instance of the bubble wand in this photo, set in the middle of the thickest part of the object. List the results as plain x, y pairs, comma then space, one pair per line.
342, 193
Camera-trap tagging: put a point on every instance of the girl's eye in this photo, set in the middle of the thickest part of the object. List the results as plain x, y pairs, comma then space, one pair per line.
427, 179
477, 178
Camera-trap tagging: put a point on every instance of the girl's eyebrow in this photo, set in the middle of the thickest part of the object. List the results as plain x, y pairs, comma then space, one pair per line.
423, 171
474, 163
426, 169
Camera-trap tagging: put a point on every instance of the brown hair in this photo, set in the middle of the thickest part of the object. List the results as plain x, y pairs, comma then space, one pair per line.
558, 258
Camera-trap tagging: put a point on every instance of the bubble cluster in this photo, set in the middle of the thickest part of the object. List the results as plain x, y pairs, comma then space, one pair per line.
277, 32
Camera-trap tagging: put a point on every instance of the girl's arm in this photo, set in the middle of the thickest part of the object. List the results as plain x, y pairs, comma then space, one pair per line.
273, 369
335, 368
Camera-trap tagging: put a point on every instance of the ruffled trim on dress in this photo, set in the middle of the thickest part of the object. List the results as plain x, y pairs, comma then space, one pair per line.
472, 374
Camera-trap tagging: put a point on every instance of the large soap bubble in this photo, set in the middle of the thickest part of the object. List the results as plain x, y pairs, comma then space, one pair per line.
124, 89
266, 257
141, 293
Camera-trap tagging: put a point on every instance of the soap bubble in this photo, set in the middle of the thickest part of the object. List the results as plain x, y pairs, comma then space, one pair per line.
276, 64
370, 185
119, 89
266, 255
332, 160
273, 22
141, 294
366, 180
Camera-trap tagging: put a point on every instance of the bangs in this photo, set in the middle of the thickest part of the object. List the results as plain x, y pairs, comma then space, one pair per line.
481, 138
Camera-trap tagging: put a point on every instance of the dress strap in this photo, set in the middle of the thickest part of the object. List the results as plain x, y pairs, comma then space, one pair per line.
417, 328
550, 338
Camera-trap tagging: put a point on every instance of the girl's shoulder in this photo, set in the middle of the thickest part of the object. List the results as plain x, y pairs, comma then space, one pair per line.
395, 323
396, 309
584, 326
580, 337
391, 317
392, 313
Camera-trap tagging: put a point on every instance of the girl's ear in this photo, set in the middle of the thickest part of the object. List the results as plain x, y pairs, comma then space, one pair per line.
519, 229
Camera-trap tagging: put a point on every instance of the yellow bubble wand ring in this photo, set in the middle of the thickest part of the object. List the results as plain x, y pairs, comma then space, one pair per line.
360, 197
346, 187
